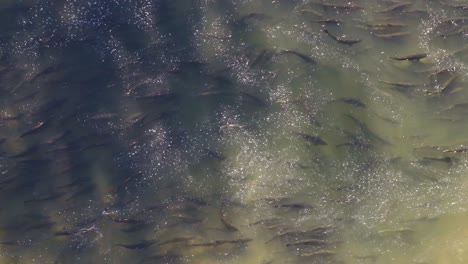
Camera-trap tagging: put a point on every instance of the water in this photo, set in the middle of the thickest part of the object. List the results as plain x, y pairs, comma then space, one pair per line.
233, 132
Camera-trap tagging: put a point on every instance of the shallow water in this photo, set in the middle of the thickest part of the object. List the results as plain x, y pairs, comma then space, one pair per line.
136, 131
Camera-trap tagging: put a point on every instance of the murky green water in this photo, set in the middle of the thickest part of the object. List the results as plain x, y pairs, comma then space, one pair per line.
213, 131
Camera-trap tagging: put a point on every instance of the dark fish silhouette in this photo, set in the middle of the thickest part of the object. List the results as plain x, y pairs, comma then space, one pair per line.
254, 16
317, 141
396, 7
328, 21
413, 57
141, 245
400, 84
365, 129
340, 6
264, 56
351, 101
36, 129
308, 242
221, 242
348, 42
293, 205
317, 233
50, 197
176, 240
457, 150
392, 35
225, 222
302, 56
462, 6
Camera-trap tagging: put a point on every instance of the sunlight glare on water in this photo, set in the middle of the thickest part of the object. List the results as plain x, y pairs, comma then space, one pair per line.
215, 131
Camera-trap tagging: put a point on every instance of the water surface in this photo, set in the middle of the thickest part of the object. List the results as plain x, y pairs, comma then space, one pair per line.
201, 131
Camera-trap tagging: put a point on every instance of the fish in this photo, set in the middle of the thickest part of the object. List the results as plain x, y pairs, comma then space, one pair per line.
446, 87
264, 56
184, 219
302, 56
413, 57
37, 226
213, 154
51, 106
400, 84
328, 21
351, 101
348, 42
45, 71
192, 199
85, 190
216, 92
392, 35
396, 7
274, 200
316, 141
36, 129
50, 197
251, 97
6, 68
10, 243
367, 131
341, 6
141, 245
439, 73
254, 16
457, 108
458, 31
386, 25
7, 180
462, 6
11, 118
268, 221
29, 151
128, 221
33, 216
135, 228
225, 222
297, 165
70, 168
461, 149
58, 137
34, 162
442, 159
137, 120
277, 227
93, 146
221, 242
316, 232
319, 253
66, 233
403, 230
312, 11
416, 12
136, 86
103, 116
177, 240
308, 242
293, 205
165, 96
454, 20
357, 144
371, 258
